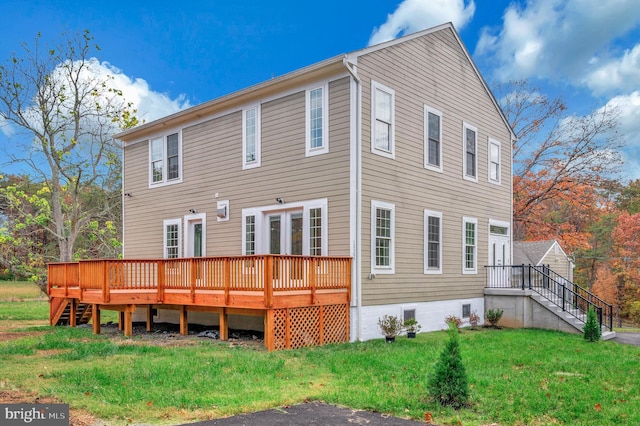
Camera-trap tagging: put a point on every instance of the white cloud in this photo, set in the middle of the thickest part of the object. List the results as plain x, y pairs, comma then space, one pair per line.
628, 109
151, 105
6, 128
622, 74
416, 15
556, 38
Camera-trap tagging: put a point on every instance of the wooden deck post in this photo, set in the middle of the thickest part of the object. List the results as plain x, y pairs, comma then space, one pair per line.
312, 280
269, 325
193, 277
73, 308
128, 320
149, 318
184, 325
224, 325
105, 282
120, 320
95, 318
267, 278
161, 281
321, 325
227, 280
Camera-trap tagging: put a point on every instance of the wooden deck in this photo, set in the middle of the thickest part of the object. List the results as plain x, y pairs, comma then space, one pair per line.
304, 300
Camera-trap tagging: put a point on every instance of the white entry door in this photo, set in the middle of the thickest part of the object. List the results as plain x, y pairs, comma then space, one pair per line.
499, 252
195, 235
285, 232
499, 256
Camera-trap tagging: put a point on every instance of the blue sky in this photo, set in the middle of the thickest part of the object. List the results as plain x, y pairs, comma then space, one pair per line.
169, 55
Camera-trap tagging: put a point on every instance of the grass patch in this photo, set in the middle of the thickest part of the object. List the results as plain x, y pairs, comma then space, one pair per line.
25, 311
516, 376
18, 291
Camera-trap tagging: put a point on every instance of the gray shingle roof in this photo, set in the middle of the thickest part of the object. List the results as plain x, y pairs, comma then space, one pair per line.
530, 252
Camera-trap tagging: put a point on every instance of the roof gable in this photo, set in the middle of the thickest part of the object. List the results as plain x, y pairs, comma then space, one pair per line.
353, 56
533, 252
331, 66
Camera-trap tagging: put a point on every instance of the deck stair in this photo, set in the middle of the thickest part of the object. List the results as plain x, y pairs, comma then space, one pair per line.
565, 299
83, 314
570, 314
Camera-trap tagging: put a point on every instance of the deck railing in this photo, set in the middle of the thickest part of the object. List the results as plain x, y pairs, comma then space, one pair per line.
567, 295
268, 274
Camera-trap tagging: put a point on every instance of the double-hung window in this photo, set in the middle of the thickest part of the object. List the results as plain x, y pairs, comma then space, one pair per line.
165, 162
494, 161
172, 238
382, 120
251, 137
470, 147
317, 119
432, 139
470, 245
382, 237
432, 242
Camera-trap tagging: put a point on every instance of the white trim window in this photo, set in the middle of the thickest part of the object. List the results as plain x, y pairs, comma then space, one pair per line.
251, 137
470, 149
165, 159
315, 231
382, 237
249, 234
470, 245
494, 161
317, 120
172, 237
432, 242
382, 120
432, 139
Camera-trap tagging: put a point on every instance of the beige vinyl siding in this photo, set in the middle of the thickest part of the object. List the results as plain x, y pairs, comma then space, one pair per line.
431, 70
212, 164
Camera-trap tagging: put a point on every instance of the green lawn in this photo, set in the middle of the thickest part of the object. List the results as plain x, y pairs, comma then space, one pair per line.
532, 377
20, 291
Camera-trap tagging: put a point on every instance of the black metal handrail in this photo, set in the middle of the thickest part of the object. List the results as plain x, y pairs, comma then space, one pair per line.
572, 298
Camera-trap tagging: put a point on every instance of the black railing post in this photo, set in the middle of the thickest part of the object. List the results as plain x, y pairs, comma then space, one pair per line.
610, 317
599, 316
563, 296
522, 278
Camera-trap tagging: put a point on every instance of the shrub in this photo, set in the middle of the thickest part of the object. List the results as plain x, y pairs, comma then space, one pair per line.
474, 319
493, 316
592, 330
449, 384
390, 325
411, 325
452, 319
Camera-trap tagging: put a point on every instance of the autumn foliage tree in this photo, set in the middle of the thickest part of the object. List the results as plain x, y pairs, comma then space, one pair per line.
558, 160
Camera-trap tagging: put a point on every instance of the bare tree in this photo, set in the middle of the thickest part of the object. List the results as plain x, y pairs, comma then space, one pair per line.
70, 111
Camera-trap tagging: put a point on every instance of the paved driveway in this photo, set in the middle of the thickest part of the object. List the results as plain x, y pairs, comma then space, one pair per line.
627, 338
310, 413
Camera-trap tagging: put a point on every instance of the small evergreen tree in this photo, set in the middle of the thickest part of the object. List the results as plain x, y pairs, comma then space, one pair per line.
449, 384
592, 330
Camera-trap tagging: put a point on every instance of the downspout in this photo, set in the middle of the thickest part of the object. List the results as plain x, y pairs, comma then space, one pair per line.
122, 196
358, 237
